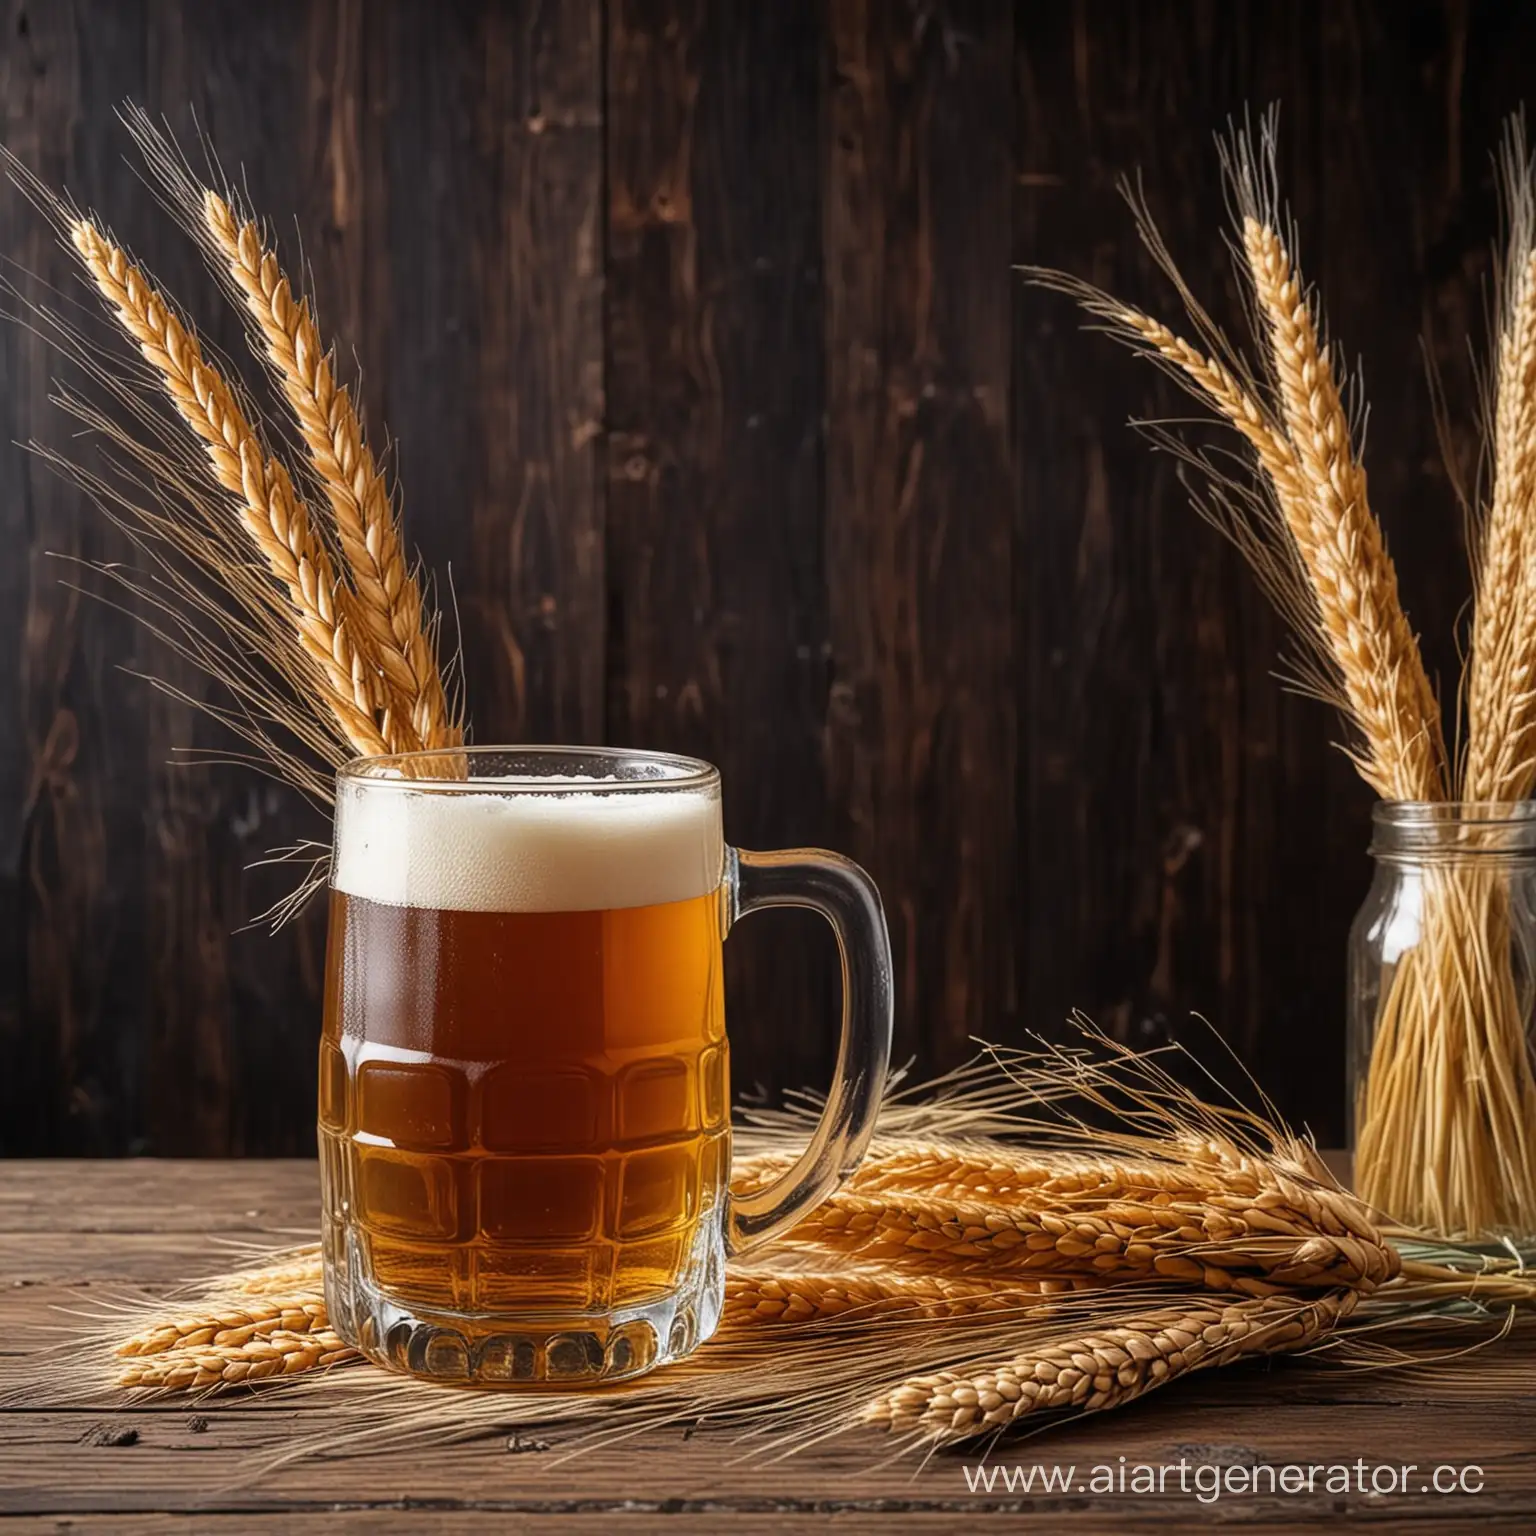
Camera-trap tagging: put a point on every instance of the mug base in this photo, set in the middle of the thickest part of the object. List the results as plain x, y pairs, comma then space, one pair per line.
538, 1350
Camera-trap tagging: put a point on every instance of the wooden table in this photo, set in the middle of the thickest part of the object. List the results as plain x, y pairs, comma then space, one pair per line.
94, 1230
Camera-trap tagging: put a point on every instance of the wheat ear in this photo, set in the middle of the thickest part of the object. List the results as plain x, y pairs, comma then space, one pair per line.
1106, 1367
231, 1325
280, 1353
388, 595
1290, 1236
1340, 543
1221, 389
770, 1297
273, 515
751, 1296
1000, 1173
1501, 670
298, 1273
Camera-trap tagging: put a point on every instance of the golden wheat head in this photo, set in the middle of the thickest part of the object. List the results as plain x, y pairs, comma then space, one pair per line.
388, 595
273, 516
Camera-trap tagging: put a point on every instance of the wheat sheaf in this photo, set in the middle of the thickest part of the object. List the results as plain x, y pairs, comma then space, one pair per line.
285, 578
260, 487
1224, 1240
1445, 1112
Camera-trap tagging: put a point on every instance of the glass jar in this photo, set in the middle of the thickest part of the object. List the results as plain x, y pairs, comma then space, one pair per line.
1441, 995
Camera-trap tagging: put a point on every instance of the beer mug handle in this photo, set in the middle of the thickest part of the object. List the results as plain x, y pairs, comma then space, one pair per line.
838, 889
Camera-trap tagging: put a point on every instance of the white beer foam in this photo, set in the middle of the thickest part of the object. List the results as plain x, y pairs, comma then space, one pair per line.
540, 852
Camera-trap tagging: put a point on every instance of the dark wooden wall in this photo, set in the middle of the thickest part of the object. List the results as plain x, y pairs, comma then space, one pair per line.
715, 393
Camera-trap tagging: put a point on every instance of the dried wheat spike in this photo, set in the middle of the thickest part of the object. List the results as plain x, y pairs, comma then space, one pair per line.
1340, 543
272, 514
995, 1172
231, 1325
225, 1365
388, 596
298, 1274
1290, 1235
1501, 670
1217, 384
1105, 1367
753, 1297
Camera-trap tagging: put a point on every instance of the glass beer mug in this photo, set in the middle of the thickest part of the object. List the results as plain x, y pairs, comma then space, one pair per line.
524, 1089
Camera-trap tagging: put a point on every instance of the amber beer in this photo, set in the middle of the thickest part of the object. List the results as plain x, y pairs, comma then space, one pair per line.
523, 1084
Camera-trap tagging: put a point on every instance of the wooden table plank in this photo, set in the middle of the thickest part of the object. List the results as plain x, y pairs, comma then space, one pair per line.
78, 1236
277, 1198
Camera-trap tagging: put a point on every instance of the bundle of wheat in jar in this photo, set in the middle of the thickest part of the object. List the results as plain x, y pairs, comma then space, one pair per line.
1443, 958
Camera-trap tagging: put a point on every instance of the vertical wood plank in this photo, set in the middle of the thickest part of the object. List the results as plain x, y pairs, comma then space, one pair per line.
429, 94
53, 858
71, 866
919, 486
1170, 785
716, 577
538, 529
495, 229
230, 1016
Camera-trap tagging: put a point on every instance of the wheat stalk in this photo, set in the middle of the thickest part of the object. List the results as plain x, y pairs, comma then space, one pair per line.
795, 1297
1221, 389
1501, 665
1310, 534
231, 1326
1448, 1109
1446, 1117
1340, 543
1446, 1112
751, 1296
1255, 1245
298, 1273
1304, 537
1002, 1174
810, 1346
272, 514
389, 597
1104, 1367
235, 1341
280, 1353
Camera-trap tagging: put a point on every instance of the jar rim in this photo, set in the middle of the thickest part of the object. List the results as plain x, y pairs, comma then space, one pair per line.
1441, 813
1476, 829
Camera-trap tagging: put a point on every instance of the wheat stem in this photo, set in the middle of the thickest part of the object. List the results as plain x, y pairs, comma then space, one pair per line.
388, 594
280, 1353
231, 1325
272, 514
1501, 666
1340, 543
1287, 1237
1103, 1367
768, 1297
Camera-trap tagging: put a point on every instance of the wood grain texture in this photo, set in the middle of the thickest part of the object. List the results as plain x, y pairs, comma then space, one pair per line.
82, 884
920, 738
102, 1465
719, 410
